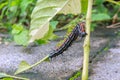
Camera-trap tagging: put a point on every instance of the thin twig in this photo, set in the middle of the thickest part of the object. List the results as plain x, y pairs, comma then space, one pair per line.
114, 25
87, 42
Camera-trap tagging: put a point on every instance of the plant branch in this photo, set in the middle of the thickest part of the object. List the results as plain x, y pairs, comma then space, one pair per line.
15, 77
112, 1
35, 64
87, 42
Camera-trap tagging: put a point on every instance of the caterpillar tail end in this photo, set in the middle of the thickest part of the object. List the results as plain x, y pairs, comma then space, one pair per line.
51, 55
47, 59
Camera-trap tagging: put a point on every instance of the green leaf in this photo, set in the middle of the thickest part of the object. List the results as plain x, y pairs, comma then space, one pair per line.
22, 38
41, 41
13, 3
22, 66
20, 34
7, 79
72, 7
43, 12
76, 75
84, 5
3, 4
24, 4
99, 2
53, 24
100, 7
93, 26
2, 75
17, 28
100, 16
49, 35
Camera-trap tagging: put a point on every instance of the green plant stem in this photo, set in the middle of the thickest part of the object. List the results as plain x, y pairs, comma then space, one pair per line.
45, 58
112, 1
87, 42
15, 77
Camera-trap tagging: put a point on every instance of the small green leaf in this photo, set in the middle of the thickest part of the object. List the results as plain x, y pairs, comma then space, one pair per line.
22, 38
20, 34
17, 28
76, 75
99, 6
53, 24
24, 4
50, 35
41, 41
106, 48
22, 66
93, 26
100, 16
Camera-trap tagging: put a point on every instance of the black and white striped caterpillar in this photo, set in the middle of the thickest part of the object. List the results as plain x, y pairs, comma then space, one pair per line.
79, 30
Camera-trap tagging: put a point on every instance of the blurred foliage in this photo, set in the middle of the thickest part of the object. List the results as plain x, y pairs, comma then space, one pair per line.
103, 10
13, 13
20, 34
104, 7
15, 18
76, 75
100, 17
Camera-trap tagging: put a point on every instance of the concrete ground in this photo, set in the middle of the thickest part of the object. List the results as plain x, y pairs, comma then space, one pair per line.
63, 66
107, 66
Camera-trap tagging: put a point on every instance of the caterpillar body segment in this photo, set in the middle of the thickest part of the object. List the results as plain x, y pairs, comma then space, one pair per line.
79, 30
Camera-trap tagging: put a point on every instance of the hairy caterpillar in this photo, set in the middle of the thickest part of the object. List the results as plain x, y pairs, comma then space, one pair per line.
79, 30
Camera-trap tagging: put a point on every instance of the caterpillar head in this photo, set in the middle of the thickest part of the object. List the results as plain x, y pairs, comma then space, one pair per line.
82, 29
